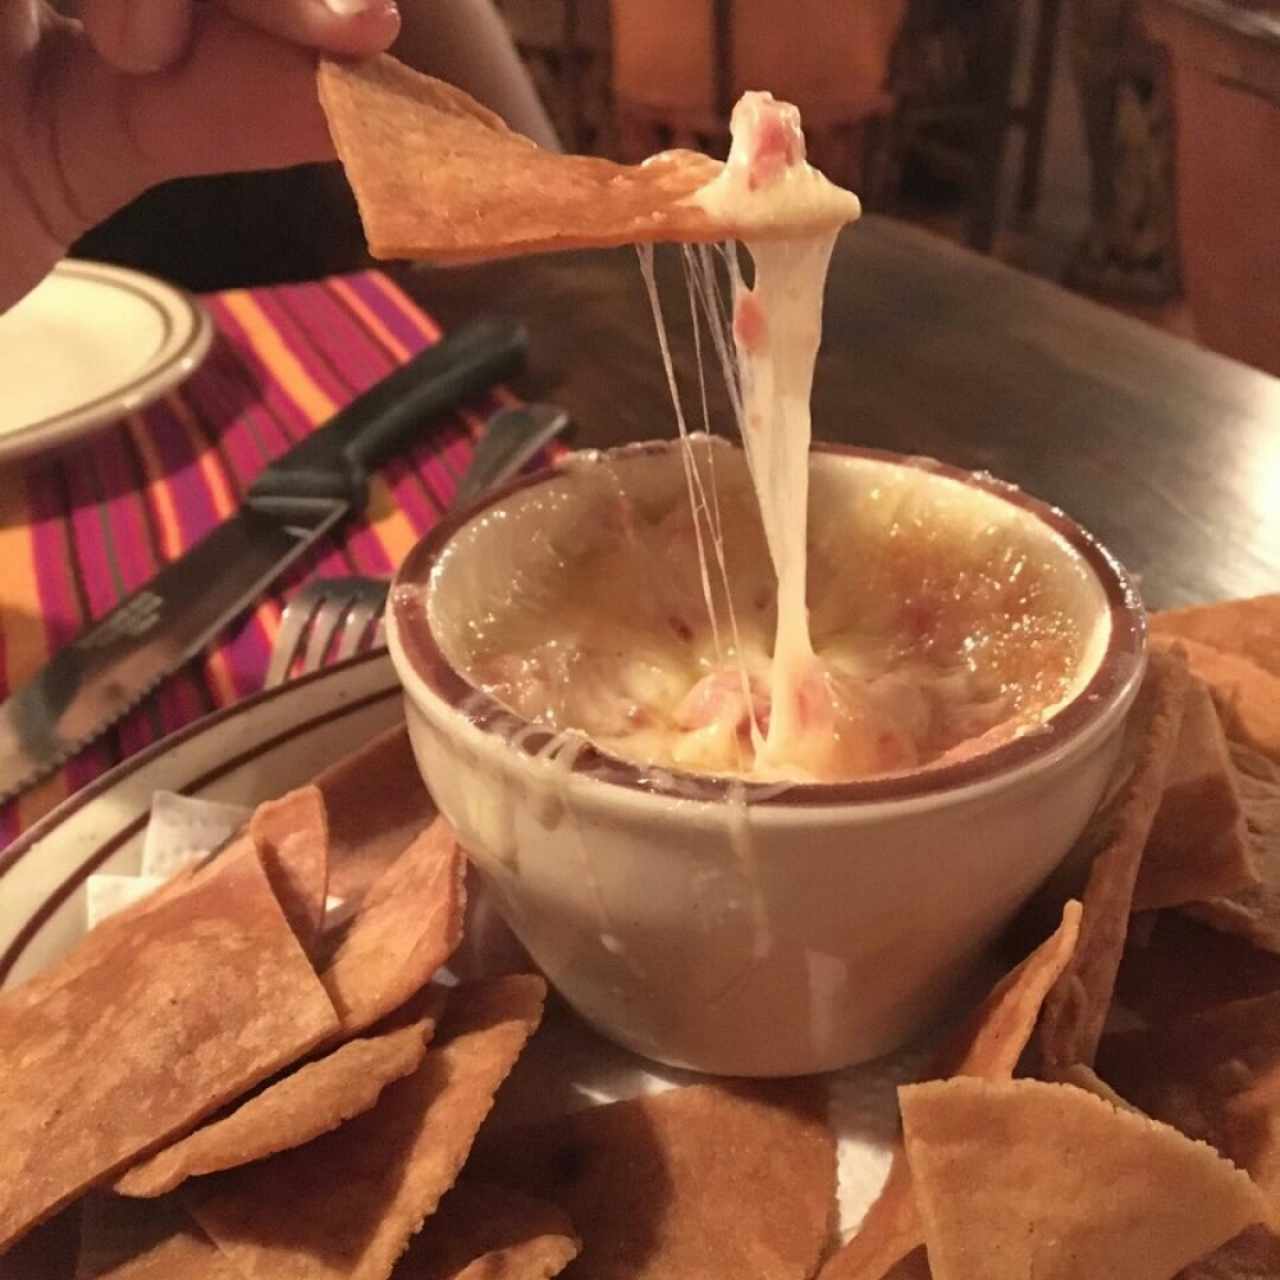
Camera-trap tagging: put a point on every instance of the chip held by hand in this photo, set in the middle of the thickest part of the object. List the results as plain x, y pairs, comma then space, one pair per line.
438, 176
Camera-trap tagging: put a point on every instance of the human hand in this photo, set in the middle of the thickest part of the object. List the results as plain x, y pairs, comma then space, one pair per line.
93, 112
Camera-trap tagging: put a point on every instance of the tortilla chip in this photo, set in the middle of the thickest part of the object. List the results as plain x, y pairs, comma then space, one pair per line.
121, 1239
438, 176
1185, 967
1250, 628
1215, 1076
1247, 696
408, 926
292, 834
1254, 912
1019, 1178
988, 1045
890, 1231
308, 1102
708, 1179
992, 1039
1199, 845
346, 1204
203, 997
98, 943
1076, 1009
1252, 1255
297, 877
377, 805
483, 1232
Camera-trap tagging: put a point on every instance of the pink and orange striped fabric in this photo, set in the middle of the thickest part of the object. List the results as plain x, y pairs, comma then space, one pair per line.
80, 531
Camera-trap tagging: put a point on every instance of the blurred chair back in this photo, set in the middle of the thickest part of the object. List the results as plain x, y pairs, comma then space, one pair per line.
679, 65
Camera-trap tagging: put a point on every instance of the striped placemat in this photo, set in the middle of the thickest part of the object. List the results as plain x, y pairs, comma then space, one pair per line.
81, 530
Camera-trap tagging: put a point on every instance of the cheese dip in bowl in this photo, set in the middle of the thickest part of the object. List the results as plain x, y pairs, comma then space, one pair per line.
587, 692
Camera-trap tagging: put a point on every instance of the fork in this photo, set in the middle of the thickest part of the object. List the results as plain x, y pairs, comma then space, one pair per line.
351, 608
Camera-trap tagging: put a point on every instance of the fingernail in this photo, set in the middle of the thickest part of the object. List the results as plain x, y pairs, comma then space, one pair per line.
156, 33
349, 8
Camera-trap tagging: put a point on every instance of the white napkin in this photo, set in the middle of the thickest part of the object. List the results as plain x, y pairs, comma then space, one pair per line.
106, 893
179, 832
182, 830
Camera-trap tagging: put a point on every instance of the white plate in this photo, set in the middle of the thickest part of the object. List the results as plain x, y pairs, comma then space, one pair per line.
246, 753
89, 344
277, 740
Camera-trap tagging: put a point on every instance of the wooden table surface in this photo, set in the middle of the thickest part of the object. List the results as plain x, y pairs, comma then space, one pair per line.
1169, 454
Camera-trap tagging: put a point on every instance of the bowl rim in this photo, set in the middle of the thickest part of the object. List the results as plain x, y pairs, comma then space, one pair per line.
415, 651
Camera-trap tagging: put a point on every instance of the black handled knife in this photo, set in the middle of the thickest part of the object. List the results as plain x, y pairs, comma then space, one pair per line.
296, 500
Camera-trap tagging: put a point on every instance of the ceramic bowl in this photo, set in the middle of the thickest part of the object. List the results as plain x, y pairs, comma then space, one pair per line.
737, 928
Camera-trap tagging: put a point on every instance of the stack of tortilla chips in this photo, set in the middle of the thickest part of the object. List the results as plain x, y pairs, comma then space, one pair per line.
222, 1083
1143, 1140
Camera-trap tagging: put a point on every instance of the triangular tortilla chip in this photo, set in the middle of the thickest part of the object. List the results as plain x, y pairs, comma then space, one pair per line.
708, 1179
377, 805
1248, 698
483, 1232
122, 1239
1215, 1076
1253, 912
438, 176
296, 879
1250, 628
346, 1204
203, 997
408, 925
1019, 1178
1199, 845
988, 1044
306, 1103
1076, 1008
1184, 967
292, 834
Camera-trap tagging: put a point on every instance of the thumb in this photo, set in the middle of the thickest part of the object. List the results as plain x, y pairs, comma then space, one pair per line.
240, 100
149, 35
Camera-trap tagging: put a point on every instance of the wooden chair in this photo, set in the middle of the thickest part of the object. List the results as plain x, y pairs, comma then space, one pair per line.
978, 117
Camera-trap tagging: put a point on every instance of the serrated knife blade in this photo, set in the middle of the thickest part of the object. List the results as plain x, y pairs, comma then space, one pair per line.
87, 686
106, 672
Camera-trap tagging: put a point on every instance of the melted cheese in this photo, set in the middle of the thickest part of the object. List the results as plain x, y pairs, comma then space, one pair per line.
681, 638
767, 188
939, 640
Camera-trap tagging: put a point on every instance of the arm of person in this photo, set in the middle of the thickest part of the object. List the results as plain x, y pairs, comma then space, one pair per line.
95, 110
467, 43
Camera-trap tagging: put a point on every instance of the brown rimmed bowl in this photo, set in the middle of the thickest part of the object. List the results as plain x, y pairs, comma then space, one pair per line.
748, 929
